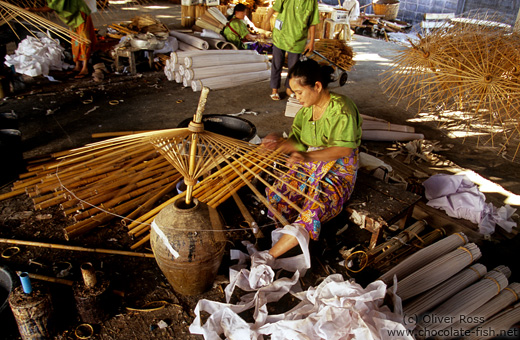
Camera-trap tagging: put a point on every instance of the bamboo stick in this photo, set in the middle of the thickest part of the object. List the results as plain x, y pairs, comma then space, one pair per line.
75, 248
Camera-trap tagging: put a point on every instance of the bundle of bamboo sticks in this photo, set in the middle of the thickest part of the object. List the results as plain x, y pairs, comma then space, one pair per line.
507, 297
445, 290
424, 256
499, 325
466, 301
437, 271
471, 69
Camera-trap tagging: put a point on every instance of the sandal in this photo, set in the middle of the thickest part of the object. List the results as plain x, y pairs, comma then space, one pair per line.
274, 96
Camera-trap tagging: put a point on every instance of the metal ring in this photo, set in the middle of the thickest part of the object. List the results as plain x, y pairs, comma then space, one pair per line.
13, 250
113, 102
88, 327
88, 101
179, 101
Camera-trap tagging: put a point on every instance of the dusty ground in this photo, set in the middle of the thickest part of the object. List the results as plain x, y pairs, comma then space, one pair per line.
64, 115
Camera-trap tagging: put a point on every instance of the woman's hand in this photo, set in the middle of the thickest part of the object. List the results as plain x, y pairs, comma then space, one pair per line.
297, 157
271, 141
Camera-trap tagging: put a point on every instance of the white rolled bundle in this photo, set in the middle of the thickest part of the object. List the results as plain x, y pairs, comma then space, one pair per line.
390, 136
424, 256
217, 71
201, 60
220, 44
437, 271
498, 324
191, 40
206, 25
182, 69
464, 302
224, 82
507, 297
168, 70
178, 77
178, 57
186, 82
187, 47
445, 290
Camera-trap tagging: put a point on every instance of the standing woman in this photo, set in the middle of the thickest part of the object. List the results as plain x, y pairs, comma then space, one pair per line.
236, 31
76, 15
323, 148
295, 24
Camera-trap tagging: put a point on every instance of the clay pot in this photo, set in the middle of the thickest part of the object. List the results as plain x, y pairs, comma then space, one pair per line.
200, 246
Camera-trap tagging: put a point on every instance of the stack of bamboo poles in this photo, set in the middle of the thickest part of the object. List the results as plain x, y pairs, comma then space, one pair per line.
466, 301
437, 271
466, 75
11, 13
424, 256
212, 19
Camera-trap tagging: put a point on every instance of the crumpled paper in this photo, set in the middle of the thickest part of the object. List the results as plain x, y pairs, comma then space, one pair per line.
335, 309
459, 197
36, 56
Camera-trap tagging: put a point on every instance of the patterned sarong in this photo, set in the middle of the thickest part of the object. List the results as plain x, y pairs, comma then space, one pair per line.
330, 183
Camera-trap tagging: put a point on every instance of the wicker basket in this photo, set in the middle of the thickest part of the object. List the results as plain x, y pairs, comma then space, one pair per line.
389, 10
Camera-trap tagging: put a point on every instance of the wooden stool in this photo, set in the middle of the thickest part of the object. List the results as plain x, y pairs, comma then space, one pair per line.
130, 53
345, 26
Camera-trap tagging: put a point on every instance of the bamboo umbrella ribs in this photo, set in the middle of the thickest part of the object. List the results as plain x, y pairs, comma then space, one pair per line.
124, 177
466, 75
9, 12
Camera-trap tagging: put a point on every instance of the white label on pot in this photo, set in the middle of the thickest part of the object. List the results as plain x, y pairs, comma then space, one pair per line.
163, 237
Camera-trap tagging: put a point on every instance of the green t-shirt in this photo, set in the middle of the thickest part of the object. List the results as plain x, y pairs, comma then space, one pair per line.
70, 11
295, 17
340, 125
240, 27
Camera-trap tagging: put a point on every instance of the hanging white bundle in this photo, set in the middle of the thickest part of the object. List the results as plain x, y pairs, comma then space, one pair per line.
424, 256
438, 270
445, 290
216, 71
507, 296
497, 325
191, 40
178, 57
464, 302
200, 60
224, 82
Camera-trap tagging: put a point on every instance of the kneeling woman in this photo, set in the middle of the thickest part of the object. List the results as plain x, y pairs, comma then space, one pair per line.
323, 148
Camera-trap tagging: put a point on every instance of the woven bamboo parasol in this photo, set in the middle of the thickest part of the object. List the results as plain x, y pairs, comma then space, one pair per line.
126, 176
466, 74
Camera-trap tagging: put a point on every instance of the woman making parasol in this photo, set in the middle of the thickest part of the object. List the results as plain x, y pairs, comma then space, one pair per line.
323, 148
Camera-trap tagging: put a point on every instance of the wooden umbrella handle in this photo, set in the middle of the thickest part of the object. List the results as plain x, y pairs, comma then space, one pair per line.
202, 104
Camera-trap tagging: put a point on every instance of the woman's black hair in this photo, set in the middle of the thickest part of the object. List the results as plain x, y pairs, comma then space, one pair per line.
238, 8
309, 72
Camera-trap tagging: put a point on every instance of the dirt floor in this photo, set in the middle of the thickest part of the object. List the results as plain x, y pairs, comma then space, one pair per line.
57, 116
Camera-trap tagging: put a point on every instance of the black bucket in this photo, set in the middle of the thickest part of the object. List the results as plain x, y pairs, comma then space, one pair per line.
229, 126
